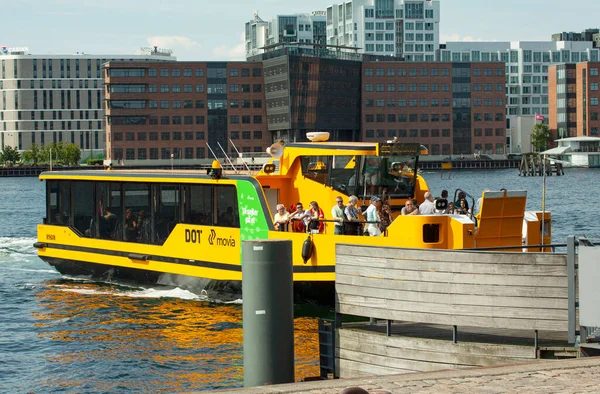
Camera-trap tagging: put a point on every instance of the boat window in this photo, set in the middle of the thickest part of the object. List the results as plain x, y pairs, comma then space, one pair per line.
198, 204
343, 174
316, 168
52, 212
227, 206
138, 220
394, 173
108, 217
58, 211
167, 211
431, 233
83, 206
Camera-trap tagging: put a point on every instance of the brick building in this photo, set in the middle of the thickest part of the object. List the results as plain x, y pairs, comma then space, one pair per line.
156, 112
451, 108
573, 97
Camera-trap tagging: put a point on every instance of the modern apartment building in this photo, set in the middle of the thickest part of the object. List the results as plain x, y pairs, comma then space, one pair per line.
157, 112
284, 29
53, 98
586, 35
526, 70
400, 28
451, 108
526, 66
312, 89
574, 100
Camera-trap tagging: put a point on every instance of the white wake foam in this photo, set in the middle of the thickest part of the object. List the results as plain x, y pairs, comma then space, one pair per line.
17, 246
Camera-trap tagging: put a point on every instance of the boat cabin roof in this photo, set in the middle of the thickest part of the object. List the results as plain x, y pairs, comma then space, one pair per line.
143, 175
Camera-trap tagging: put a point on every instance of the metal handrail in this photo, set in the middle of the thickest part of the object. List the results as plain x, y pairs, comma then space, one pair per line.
543, 246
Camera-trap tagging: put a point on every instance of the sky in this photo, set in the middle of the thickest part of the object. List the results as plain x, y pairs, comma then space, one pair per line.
213, 30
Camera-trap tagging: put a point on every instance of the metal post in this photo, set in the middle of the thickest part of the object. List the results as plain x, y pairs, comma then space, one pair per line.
91, 145
388, 328
571, 288
454, 334
543, 202
536, 343
268, 309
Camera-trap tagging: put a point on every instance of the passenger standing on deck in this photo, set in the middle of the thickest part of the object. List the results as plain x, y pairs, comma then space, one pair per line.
427, 207
409, 208
352, 226
385, 213
300, 218
441, 203
337, 212
316, 215
281, 218
372, 217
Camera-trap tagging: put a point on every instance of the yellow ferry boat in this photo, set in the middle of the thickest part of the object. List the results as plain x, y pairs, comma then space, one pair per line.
185, 228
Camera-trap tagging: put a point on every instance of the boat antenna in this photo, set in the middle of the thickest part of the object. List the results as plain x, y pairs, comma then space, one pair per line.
544, 202
212, 151
239, 155
227, 157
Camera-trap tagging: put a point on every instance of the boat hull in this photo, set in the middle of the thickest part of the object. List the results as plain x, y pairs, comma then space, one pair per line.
323, 292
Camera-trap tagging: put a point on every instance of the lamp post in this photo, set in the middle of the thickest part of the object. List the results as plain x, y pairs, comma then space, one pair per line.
171, 161
91, 145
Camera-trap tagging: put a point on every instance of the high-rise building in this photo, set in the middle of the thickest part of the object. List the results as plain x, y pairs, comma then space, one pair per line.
54, 98
307, 91
399, 28
284, 29
526, 70
574, 100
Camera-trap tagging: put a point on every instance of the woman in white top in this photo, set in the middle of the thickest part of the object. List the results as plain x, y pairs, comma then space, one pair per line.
372, 217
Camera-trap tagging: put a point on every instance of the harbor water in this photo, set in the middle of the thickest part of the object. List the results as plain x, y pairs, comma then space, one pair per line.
62, 334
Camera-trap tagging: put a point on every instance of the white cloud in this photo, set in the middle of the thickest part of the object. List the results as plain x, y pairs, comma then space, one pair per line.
236, 52
457, 37
184, 48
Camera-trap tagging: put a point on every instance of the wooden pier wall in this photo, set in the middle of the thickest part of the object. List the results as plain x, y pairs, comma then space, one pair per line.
497, 301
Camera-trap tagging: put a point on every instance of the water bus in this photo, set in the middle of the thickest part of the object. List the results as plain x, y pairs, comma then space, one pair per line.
185, 228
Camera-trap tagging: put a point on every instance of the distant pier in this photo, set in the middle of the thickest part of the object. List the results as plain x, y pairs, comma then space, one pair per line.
469, 164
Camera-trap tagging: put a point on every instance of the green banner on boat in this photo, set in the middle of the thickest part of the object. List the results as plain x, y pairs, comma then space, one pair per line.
252, 218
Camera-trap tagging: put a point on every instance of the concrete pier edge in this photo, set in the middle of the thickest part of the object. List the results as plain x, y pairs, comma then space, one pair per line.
402, 382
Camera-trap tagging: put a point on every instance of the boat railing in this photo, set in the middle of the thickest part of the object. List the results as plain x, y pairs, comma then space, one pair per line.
289, 226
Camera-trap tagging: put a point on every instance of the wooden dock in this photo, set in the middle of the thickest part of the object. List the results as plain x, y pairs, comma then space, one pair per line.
440, 309
535, 165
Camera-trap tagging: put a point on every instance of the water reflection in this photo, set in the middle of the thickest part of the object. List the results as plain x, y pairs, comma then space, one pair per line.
107, 338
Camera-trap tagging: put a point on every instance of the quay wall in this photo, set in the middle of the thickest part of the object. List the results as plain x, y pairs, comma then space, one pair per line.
33, 171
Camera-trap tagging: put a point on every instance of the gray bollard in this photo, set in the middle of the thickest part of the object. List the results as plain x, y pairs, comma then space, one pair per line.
268, 305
